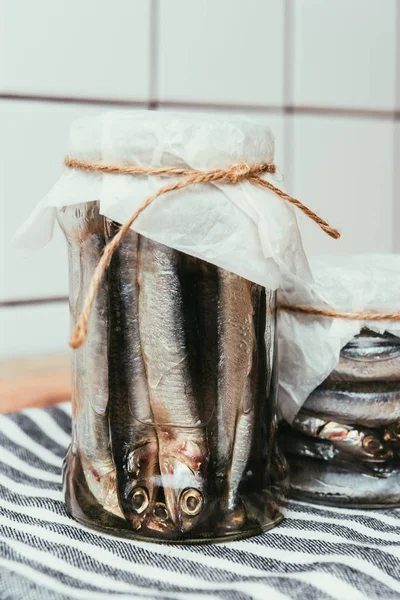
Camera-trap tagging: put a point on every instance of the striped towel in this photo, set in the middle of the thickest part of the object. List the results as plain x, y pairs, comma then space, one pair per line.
316, 553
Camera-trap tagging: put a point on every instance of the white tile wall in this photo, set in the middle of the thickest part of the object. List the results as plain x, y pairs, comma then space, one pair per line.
344, 53
221, 52
32, 147
34, 329
89, 49
311, 69
343, 169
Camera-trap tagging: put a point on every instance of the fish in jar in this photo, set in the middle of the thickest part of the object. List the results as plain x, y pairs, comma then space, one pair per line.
343, 446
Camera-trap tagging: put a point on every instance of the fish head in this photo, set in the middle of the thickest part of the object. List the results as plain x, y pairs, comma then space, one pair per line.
140, 483
375, 447
81, 221
183, 463
159, 521
392, 435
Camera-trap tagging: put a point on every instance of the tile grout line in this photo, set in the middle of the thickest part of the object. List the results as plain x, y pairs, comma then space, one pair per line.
397, 63
288, 41
71, 100
288, 135
396, 140
286, 109
342, 111
275, 108
33, 301
289, 109
154, 41
396, 190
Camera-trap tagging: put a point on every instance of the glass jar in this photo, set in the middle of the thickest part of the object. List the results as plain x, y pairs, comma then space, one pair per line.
174, 393
343, 446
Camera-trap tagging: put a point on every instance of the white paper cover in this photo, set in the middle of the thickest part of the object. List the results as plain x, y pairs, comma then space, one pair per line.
243, 228
309, 346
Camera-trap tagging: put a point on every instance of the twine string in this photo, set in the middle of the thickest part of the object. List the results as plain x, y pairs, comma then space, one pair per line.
232, 175
327, 312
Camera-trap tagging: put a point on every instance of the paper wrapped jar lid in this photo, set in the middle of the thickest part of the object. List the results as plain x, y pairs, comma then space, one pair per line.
309, 345
244, 228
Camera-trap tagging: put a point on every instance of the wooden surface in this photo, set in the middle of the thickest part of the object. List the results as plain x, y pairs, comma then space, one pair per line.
34, 381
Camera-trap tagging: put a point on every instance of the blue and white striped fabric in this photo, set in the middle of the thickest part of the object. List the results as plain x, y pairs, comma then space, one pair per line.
316, 553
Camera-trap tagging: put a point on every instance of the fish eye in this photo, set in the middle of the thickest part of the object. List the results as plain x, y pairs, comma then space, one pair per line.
191, 502
372, 444
139, 500
160, 511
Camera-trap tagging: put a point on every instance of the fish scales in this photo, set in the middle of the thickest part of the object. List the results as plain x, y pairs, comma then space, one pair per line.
251, 403
298, 444
134, 441
183, 452
236, 345
332, 483
85, 231
353, 441
266, 402
367, 404
163, 336
369, 357
200, 288
238, 384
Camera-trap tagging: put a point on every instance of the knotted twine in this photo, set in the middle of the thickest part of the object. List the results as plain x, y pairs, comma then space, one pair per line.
232, 175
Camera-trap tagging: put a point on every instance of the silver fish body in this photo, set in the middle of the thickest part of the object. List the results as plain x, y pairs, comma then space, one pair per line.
343, 485
200, 288
237, 390
268, 330
85, 231
350, 441
356, 411
297, 444
182, 441
276, 469
369, 405
134, 440
200, 291
369, 357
